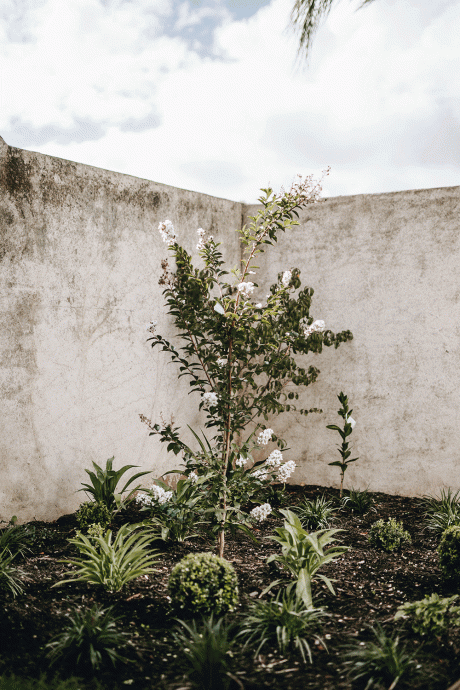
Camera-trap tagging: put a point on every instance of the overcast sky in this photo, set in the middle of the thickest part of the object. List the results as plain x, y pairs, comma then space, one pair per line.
207, 94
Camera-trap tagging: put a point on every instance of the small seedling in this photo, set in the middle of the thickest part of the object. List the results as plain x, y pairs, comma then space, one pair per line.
348, 427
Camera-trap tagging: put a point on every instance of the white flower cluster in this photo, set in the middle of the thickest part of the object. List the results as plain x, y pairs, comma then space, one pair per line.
264, 437
285, 471
274, 459
160, 494
316, 327
193, 477
260, 474
167, 232
351, 421
241, 462
286, 279
258, 305
145, 499
246, 289
156, 495
202, 242
222, 361
261, 513
151, 326
209, 399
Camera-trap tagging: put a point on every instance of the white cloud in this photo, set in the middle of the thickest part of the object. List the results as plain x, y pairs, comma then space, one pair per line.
118, 85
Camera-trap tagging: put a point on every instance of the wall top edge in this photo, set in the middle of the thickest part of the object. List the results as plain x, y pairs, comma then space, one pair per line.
3, 144
245, 206
376, 195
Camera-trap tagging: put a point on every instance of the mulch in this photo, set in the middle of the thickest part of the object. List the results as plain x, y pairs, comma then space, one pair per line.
369, 584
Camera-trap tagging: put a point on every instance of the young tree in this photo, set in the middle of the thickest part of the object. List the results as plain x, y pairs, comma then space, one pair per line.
238, 355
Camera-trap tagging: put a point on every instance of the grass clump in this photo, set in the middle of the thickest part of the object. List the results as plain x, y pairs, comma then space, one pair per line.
283, 622
381, 663
206, 647
89, 641
358, 502
112, 563
315, 514
443, 512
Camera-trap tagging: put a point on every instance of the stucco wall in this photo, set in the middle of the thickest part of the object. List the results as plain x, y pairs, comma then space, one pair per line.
387, 267
80, 261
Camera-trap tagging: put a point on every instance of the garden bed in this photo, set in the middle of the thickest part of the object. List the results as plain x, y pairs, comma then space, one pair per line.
370, 585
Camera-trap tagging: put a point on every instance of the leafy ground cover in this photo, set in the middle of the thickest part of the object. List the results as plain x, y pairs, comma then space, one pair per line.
370, 584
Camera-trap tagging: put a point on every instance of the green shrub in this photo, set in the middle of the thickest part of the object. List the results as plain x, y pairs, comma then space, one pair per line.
388, 536
203, 584
449, 553
93, 513
95, 530
431, 615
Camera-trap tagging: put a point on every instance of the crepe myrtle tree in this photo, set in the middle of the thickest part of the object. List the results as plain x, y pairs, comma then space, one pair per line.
240, 355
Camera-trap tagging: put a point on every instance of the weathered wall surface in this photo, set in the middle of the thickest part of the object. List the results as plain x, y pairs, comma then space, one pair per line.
80, 261
387, 267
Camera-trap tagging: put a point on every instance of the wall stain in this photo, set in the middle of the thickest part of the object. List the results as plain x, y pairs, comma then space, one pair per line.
6, 220
15, 174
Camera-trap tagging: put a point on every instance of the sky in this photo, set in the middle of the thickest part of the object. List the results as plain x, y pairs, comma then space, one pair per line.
209, 95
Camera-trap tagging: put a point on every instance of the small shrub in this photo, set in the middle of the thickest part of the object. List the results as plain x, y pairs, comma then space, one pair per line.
203, 584
381, 662
388, 536
95, 530
206, 648
284, 622
315, 514
93, 513
90, 640
431, 615
449, 553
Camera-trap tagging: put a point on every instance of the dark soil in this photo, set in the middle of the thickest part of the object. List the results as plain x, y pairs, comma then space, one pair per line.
369, 584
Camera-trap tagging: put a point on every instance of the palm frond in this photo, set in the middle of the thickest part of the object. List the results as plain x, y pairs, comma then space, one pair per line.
306, 17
